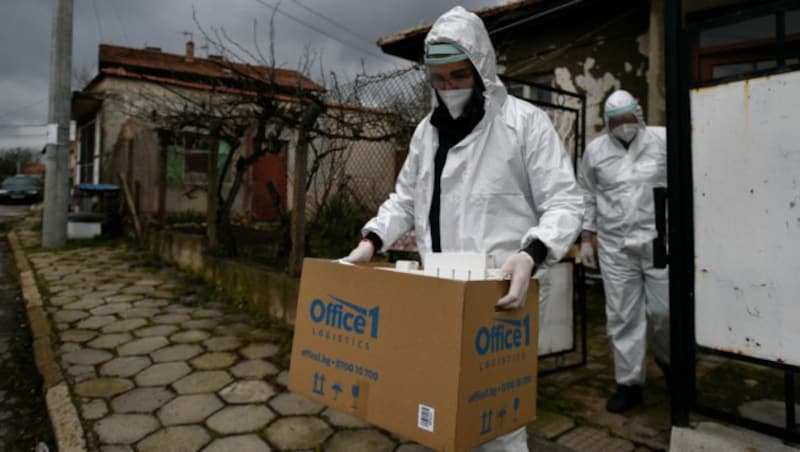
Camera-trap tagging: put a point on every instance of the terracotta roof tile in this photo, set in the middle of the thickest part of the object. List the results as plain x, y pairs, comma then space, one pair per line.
155, 62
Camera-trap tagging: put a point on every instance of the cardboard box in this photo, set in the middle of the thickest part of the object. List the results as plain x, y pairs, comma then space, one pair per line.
426, 358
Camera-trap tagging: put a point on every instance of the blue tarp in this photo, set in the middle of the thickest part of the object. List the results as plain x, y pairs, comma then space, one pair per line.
98, 188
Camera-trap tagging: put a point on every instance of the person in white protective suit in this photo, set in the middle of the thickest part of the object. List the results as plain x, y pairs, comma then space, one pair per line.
485, 173
618, 173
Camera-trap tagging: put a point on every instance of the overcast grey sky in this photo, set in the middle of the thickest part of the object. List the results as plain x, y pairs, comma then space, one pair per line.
25, 27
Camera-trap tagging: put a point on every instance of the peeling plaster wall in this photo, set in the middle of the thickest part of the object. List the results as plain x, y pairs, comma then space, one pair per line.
593, 51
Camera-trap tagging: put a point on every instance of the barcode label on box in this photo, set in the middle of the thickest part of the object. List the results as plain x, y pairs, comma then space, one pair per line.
426, 418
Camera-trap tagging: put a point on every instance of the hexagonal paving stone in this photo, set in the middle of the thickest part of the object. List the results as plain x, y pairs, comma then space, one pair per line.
177, 309
257, 351
69, 316
151, 303
94, 409
206, 314
110, 309
125, 367
241, 443
96, 321
343, 420
77, 335
125, 428
188, 409
289, 403
189, 336
204, 381
87, 356
175, 439
149, 282
103, 387
122, 326
255, 369
350, 440
247, 391
110, 340
283, 378
135, 290
240, 419
81, 373
143, 346
85, 304
123, 298
222, 344
141, 400
61, 300
213, 360
202, 324
139, 313
299, 433
588, 438
158, 330
170, 319
69, 347
232, 329
180, 352
162, 374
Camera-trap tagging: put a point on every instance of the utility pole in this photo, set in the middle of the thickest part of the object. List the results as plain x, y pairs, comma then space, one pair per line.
56, 192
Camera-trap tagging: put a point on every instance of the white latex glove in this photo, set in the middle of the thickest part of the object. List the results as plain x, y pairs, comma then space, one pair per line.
518, 269
361, 253
587, 255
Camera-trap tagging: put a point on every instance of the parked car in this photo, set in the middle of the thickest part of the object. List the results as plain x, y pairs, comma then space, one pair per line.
21, 188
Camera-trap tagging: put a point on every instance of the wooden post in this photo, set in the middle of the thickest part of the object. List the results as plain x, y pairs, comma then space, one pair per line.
298, 232
212, 198
161, 179
131, 206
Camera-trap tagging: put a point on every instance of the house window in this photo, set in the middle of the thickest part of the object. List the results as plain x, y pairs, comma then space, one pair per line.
86, 154
534, 93
187, 158
746, 47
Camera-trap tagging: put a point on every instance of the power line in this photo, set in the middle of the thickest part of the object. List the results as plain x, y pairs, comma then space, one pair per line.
25, 107
121, 23
318, 30
331, 21
97, 17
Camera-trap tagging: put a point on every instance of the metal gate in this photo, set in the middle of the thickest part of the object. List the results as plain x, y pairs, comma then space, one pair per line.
732, 157
567, 111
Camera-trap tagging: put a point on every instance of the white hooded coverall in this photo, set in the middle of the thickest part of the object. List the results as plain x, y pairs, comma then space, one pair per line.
505, 184
618, 185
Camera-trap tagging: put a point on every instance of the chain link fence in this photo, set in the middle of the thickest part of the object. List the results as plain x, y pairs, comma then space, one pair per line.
364, 164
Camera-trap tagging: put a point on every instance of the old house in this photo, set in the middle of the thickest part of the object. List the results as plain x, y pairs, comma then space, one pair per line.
116, 138
593, 47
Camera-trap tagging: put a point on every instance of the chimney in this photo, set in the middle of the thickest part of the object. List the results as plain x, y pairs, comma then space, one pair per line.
189, 51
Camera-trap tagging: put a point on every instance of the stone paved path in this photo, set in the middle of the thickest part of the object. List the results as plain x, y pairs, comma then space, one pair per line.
155, 364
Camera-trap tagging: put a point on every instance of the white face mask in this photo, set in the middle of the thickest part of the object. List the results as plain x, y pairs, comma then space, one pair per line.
626, 132
455, 100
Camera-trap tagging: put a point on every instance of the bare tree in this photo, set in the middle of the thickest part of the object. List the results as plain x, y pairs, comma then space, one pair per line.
253, 105
14, 160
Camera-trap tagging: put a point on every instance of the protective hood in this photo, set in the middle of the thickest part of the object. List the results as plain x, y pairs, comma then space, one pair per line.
466, 31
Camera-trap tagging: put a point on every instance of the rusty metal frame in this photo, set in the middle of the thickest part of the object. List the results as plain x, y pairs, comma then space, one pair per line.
684, 348
579, 319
